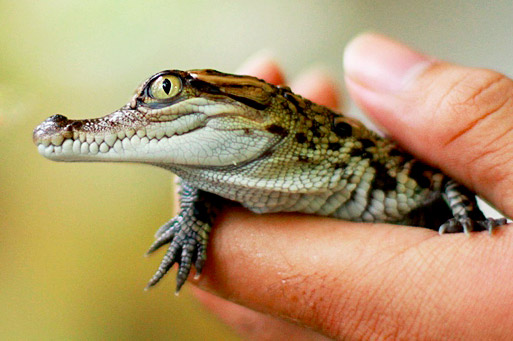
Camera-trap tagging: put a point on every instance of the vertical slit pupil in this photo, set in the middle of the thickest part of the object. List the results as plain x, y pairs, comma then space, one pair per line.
166, 86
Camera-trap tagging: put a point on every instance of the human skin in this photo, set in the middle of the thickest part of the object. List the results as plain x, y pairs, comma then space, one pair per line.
309, 277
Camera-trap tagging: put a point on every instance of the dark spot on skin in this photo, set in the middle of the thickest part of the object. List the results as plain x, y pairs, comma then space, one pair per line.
361, 153
302, 158
76, 125
213, 89
343, 129
315, 129
340, 164
247, 131
289, 97
276, 129
395, 152
212, 72
366, 143
301, 137
383, 180
355, 152
334, 146
421, 174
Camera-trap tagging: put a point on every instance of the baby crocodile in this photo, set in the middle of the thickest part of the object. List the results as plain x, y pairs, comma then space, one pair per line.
240, 138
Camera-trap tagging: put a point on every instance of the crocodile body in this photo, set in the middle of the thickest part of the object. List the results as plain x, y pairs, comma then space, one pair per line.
240, 138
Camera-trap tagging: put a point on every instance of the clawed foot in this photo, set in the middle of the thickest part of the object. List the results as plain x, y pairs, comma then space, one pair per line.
188, 241
467, 225
187, 234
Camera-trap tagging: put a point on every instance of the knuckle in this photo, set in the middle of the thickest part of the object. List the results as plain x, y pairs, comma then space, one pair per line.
475, 88
474, 100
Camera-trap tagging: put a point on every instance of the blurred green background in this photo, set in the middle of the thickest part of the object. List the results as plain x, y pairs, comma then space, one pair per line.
72, 236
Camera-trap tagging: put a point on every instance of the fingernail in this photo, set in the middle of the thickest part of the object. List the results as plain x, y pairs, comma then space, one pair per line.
381, 64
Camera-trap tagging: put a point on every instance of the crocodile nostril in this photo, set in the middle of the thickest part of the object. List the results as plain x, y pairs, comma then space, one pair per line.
57, 117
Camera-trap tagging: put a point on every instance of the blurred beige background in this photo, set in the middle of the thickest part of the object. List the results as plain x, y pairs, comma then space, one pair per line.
72, 236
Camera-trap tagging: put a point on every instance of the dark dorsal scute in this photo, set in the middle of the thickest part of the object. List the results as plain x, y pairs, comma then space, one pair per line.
246, 89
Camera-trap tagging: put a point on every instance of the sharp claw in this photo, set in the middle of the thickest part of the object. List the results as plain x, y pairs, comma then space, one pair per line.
185, 266
181, 277
164, 238
443, 228
164, 228
467, 225
167, 262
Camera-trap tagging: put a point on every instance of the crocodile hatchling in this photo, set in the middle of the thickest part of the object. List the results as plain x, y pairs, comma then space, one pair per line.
243, 139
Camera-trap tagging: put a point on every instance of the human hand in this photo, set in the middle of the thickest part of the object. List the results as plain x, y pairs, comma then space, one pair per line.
309, 277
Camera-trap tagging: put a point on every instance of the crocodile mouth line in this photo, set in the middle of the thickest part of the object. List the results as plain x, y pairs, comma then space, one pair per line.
65, 141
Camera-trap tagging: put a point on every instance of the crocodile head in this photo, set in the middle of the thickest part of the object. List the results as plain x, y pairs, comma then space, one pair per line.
196, 118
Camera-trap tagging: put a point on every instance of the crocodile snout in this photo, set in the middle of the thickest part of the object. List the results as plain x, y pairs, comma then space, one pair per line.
52, 126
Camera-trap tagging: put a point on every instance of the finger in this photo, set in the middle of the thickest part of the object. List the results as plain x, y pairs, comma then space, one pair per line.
319, 87
456, 118
252, 325
263, 65
350, 280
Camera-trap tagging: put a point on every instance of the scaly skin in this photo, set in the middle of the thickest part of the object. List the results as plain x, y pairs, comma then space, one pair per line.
240, 138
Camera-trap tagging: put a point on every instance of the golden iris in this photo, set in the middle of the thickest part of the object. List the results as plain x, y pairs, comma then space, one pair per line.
165, 87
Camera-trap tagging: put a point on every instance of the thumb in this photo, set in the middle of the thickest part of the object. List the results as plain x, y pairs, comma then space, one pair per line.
458, 119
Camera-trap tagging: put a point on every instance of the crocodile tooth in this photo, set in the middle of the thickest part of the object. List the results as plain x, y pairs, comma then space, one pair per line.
104, 147
57, 140
110, 139
118, 146
153, 144
126, 144
76, 147
150, 133
135, 140
93, 148
67, 146
84, 148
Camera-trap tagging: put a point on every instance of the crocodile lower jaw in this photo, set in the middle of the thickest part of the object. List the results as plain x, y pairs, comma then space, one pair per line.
70, 149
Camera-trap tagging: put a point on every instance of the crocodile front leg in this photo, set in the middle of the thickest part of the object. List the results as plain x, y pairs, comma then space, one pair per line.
187, 234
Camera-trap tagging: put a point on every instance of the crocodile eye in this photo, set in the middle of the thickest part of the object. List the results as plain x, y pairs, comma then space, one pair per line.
165, 87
